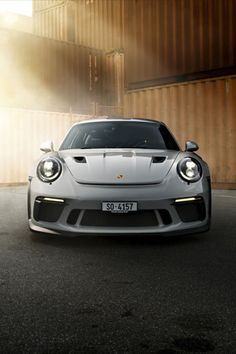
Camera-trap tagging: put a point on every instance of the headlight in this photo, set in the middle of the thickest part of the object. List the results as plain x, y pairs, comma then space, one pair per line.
189, 169
49, 169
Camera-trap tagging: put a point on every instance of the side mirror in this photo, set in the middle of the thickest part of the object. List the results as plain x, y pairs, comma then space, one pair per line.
191, 146
47, 146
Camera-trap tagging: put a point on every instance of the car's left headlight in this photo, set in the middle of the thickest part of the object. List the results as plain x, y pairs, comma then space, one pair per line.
49, 169
189, 169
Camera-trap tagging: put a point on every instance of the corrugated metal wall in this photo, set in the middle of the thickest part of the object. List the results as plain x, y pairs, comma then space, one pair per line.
21, 134
203, 111
44, 4
168, 38
94, 23
51, 22
100, 23
45, 74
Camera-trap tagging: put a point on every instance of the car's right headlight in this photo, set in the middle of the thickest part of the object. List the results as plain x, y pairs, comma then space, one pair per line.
49, 169
189, 169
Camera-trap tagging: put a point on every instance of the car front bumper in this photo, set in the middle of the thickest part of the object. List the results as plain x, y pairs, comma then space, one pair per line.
76, 210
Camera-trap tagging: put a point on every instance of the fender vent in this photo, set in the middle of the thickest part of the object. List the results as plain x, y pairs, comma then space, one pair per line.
158, 159
80, 159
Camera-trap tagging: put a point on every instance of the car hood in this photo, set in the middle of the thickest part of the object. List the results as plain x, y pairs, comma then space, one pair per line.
120, 166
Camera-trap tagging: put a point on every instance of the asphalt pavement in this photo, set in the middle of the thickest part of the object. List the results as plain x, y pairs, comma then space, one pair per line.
117, 294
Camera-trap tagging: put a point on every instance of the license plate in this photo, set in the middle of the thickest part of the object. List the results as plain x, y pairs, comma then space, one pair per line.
119, 207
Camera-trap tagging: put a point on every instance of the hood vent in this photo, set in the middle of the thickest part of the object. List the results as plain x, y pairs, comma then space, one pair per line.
80, 159
158, 159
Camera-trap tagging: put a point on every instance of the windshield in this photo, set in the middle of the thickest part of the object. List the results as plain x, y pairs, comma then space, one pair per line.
119, 134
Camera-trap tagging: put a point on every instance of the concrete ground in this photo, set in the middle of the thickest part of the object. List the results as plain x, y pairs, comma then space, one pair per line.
117, 294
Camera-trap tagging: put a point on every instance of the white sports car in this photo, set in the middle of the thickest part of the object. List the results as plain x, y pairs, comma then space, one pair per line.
119, 176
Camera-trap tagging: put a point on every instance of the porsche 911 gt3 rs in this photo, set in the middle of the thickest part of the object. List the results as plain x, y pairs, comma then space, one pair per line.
119, 176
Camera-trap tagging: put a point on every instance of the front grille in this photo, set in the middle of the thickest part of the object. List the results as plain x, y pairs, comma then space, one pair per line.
98, 218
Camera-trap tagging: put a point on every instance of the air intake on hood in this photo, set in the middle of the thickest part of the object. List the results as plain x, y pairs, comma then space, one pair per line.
158, 159
80, 159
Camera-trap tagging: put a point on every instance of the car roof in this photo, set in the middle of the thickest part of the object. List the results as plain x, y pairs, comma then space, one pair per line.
115, 119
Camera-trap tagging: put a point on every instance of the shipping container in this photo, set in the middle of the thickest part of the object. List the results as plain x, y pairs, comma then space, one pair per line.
100, 23
93, 23
51, 21
45, 74
165, 41
203, 111
169, 41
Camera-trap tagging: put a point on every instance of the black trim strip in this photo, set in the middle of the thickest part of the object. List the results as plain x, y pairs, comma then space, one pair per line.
208, 74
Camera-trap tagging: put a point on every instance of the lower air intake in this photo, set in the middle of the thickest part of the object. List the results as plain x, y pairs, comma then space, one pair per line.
191, 211
165, 216
73, 217
47, 211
